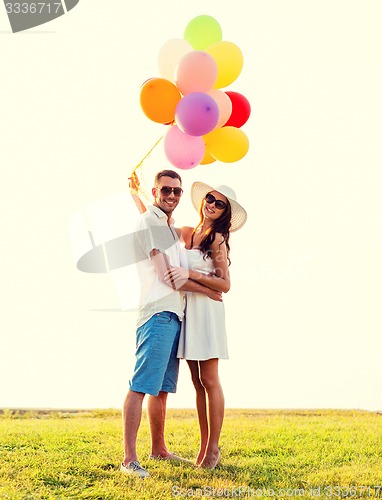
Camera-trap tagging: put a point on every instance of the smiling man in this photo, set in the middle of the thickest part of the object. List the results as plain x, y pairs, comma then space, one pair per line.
159, 319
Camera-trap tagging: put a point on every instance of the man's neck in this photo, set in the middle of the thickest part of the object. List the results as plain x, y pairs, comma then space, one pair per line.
169, 215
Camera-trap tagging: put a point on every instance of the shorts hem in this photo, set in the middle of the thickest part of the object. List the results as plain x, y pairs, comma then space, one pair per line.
151, 392
171, 390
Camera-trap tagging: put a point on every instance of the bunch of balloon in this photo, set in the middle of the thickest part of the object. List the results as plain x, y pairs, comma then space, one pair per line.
204, 121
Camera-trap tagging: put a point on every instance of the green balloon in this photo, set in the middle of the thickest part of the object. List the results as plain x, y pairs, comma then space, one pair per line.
203, 31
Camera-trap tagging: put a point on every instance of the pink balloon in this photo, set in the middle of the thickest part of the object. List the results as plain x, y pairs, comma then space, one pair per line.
224, 104
182, 150
197, 113
197, 71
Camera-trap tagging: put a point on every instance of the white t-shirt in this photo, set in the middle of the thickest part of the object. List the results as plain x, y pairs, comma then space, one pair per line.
153, 232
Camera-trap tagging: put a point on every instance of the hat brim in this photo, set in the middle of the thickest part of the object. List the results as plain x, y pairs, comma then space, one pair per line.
198, 193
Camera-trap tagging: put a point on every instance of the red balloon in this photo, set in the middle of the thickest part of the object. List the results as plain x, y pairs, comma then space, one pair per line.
241, 110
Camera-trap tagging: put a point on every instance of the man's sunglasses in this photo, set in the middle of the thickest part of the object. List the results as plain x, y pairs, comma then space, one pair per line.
167, 190
219, 204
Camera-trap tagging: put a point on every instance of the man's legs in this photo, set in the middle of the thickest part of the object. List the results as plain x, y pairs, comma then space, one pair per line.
156, 409
156, 406
156, 372
131, 419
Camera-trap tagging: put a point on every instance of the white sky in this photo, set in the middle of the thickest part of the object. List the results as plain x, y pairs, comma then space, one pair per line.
304, 311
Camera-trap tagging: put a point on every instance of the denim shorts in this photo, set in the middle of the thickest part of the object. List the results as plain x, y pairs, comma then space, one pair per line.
157, 365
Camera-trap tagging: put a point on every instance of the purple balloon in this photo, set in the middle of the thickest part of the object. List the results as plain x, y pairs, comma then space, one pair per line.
182, 150
197, 114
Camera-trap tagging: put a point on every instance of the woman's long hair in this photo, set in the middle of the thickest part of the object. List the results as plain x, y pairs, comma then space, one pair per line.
221, 225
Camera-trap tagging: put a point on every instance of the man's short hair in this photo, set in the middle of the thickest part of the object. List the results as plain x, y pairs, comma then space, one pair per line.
167, 173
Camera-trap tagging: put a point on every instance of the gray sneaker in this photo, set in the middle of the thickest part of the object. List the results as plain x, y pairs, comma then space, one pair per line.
135, 469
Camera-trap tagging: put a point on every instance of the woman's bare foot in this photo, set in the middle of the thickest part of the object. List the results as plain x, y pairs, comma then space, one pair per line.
210, 461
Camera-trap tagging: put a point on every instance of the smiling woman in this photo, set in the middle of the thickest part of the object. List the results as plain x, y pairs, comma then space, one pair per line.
203, 338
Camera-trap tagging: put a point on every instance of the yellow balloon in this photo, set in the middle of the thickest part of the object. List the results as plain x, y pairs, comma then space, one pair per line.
227, 144
208, 158
229, 59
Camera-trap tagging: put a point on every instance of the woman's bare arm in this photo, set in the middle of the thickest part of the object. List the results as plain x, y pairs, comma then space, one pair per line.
220, 281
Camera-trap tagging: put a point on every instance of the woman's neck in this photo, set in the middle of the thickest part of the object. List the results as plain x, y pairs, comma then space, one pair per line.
206, 226
200, 233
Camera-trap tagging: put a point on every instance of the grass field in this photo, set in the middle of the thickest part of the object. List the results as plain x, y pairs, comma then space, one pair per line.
279, 454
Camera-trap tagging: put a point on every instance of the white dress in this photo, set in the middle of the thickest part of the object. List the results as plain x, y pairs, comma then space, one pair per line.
203, 334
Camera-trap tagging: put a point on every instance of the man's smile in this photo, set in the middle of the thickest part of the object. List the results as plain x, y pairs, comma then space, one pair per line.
171, 203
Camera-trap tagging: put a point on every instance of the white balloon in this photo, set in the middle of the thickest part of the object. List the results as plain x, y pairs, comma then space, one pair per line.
170, 54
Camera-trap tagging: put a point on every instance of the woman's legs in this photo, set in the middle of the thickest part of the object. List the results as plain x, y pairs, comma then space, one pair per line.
201, 407
209, 377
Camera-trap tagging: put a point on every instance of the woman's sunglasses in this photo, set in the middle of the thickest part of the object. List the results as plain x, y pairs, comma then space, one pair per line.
167, 190
219, 204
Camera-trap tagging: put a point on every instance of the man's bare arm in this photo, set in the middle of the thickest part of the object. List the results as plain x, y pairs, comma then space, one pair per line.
162, 267
134, 191
194, 286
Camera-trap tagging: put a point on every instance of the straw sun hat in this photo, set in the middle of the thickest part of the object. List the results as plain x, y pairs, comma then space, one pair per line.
239, 215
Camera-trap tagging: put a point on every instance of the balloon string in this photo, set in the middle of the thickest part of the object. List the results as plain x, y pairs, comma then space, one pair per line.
146, 155
140, 188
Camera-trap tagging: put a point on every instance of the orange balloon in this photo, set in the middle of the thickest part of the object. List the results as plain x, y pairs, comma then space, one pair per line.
159, 98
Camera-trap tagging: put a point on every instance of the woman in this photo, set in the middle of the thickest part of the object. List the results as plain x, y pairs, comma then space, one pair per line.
203, 338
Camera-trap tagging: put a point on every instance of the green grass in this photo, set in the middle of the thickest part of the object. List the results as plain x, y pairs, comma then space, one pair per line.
283, 454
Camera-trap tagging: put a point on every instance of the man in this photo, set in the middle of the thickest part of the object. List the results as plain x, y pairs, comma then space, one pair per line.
158, 323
